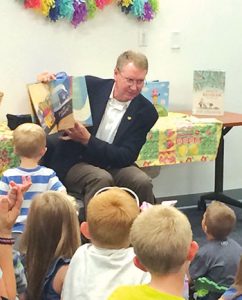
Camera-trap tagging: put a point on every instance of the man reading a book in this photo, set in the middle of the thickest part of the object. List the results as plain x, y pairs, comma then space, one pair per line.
87, 159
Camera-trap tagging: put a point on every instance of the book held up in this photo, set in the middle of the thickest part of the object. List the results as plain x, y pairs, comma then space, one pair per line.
61, 102
208, 92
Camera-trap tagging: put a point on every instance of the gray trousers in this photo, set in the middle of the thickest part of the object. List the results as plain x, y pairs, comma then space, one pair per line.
84, 180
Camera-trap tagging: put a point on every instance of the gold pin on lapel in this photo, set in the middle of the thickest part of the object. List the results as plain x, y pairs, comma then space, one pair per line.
129, 118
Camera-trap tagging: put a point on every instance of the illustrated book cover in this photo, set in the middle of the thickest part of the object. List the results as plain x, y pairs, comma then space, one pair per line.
61, 102
157, 92
208, 92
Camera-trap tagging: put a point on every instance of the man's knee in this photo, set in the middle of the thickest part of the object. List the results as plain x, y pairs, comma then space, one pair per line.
142, 179
103, 177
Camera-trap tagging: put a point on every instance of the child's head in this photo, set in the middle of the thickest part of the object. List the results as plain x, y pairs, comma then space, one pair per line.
162, 240
110, 215
52, 217
218, 220
29, 140
52, 231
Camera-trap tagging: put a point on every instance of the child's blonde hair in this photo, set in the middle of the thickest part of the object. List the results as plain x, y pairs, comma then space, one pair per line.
28, 140
110, 215
219, 220
161, 237
52, 231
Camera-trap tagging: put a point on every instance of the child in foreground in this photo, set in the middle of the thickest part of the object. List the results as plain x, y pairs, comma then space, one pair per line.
218, 259
50, 239
97, 269
29, 142
162, 241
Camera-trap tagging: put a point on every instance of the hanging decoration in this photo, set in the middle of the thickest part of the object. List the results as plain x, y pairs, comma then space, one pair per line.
78, 11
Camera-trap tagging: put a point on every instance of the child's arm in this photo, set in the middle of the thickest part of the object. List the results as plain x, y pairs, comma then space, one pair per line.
199, 266
55, 184
59, 279
7, 219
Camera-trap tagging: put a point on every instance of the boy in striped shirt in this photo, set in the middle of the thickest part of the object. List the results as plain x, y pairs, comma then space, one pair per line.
29, 142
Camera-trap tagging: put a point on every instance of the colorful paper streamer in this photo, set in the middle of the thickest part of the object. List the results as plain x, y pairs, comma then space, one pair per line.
79, 11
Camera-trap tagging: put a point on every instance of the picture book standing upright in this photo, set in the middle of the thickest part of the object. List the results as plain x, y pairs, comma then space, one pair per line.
157, 92
208, 92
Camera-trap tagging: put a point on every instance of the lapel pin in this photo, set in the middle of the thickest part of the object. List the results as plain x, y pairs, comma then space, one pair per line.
129, 118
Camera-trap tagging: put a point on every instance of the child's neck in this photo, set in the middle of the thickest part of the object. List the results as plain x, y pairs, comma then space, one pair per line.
209, 237
172, 284
29, 163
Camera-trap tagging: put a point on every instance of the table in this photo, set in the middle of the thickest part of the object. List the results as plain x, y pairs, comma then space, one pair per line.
7, 157
180, 138
229, 121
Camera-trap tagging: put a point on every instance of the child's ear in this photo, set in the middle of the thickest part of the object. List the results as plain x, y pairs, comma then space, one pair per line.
42, 153
85, 230
138, 264
192, 251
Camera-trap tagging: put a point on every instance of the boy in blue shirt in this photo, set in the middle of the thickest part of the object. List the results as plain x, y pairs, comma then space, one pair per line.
29, 142
218, 259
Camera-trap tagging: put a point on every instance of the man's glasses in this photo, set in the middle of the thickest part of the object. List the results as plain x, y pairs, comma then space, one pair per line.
131, 82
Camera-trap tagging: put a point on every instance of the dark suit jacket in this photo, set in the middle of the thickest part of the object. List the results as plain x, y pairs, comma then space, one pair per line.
138, 119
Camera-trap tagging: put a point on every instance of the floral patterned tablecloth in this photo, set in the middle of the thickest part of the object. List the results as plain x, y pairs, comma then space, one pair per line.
174, 139
7, 157
179, 138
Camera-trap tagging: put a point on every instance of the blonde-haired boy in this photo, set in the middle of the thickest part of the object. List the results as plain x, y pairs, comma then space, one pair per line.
97, 269
29, 141
162, 241
219, 257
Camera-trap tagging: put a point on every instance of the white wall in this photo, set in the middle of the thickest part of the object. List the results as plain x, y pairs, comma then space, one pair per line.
211, 38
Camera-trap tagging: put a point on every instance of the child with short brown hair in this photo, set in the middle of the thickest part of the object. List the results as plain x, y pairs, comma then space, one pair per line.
219, 257
97, 268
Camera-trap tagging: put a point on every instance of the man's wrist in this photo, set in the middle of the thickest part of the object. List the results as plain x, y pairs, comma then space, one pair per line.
6, 234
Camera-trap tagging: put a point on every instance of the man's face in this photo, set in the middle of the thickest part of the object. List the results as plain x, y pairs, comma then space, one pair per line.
129, 82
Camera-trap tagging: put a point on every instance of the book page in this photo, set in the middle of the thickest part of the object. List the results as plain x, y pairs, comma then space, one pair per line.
42, 106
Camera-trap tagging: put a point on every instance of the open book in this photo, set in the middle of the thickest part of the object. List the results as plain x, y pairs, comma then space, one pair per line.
61, 102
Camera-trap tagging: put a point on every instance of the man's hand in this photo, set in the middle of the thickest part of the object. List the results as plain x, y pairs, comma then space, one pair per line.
9, 215
24, 186
46, 77
78, 133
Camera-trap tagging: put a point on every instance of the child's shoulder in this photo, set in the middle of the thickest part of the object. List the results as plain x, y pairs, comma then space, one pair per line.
91, 249
11, 172
215, 246
46, 171
210, 248
233, 242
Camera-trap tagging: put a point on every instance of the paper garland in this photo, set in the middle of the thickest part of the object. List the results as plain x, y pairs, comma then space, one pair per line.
78, 11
